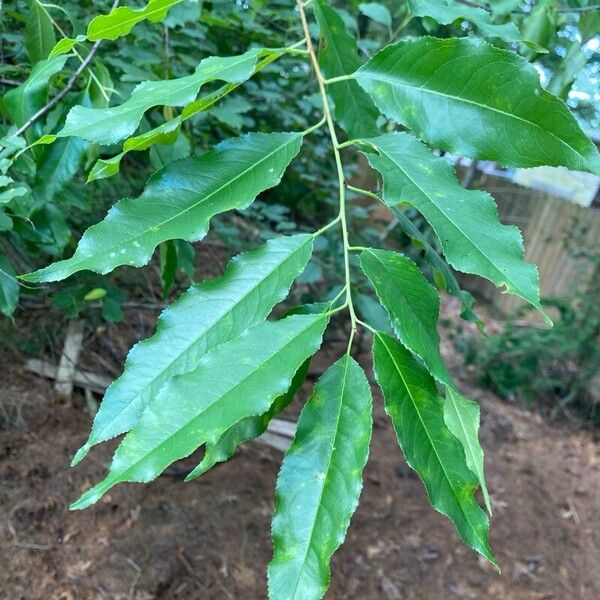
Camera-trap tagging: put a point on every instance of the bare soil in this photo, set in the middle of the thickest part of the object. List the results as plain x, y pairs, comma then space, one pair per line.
210, 538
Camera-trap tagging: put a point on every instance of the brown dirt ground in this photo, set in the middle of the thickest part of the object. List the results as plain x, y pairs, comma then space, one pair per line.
210, 538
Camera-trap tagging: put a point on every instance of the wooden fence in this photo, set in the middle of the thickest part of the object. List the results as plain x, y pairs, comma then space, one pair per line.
545, 222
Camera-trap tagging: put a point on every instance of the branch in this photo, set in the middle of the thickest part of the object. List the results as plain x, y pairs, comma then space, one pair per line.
54, 101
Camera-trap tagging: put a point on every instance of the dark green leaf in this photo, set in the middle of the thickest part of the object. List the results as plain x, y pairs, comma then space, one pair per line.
417, 412
354, 110
39, 33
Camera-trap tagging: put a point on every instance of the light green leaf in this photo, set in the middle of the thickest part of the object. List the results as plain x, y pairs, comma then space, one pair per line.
25, 100
461, 416
446, 12
105, 167
109, 125
354, 110
207, 315
467, 97
179, 202
320, 482
466, 221
411, 302
247, 429
65, 45
417, 412
9, 288
121, 20
198, 407
377, 12
39, 33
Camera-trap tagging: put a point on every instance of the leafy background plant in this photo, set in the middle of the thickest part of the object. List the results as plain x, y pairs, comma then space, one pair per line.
389, 294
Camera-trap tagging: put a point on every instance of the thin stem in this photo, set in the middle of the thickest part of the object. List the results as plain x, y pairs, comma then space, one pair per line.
56, 99
326, 227
60, 30
364, 192
338, 79
338, 163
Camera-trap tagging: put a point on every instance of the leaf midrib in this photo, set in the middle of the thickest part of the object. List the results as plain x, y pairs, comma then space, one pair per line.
322, 491
433, 446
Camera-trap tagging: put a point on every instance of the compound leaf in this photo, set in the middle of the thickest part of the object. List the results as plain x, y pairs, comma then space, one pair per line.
446, 12
198, 407
466, 221
179, 202
354, 110
467, 97
320, 482
417, 413
109, 125
208, 314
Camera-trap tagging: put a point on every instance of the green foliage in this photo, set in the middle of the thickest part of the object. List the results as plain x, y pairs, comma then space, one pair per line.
179, 202
417, 412
464, 220
217, 370
320, 482
470, 98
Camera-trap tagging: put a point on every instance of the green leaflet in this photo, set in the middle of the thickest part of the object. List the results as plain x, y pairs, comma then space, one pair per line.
354, 110
413, 307
247, 429
179, 202
208, 314
121, 20
466, 221
9, 288
412, 304
198, 407
39, 33
467, 97
110, 125
461, 416
57, 167
443, 274
446, 12
320, 482
417, 412
30, 96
